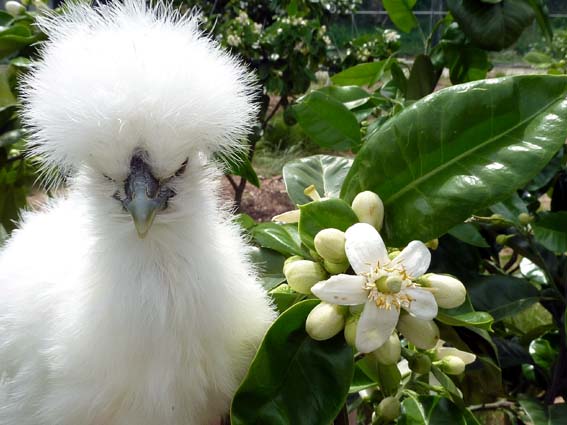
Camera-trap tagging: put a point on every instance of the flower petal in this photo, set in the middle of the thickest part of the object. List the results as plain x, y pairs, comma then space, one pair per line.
465, 356
287, 217
375, 327
364, 247
414, 258
423, 305
342, 289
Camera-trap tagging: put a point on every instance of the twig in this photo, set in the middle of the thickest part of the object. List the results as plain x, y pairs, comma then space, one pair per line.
494, 405
273, 112
231, 181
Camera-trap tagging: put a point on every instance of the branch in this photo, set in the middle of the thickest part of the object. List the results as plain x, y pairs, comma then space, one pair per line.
505, 404
273, 112
232, 182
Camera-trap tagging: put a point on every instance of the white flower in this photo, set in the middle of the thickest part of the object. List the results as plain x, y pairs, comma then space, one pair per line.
233, 40
391, 36
384, 286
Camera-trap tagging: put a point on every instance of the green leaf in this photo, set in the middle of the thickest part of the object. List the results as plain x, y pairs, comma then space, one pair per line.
15, 38
319, 215
422, 79
400, 12
479, 319
510, 208
502, 296
412, 412
542, 17
468, 232
441, 411
550, 230
449, 385
328, 122
294, 379
240, 165
363, 74
459, 150
284, 297
283, 238
360, 381
350, 96
326, 172
269, 265
536, 411
492, 26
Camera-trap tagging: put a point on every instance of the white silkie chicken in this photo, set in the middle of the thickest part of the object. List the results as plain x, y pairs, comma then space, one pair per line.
129, 301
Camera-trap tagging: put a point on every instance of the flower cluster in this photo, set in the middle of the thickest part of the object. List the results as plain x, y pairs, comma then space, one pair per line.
371, 291
369, 47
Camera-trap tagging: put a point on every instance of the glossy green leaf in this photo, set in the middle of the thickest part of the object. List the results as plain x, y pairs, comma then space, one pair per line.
326, 172
284, 297
269, 265
468, 232
328, 122
350, 96
510, 208
400, 12
479, 319
412, 412
363, 74
446, 382
14, 38
535, 410
502, 296
283, 238
550, 230
330, 213
492, 26
459, 150
294, 379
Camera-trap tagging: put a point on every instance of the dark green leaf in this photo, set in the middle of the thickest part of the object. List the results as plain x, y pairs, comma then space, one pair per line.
550, 230
283, 238
510, 208
502, 296
241, 166
441, 411
326, 172
328, 122
294, 379
459, 150
542, 17
492, 26
400, 12
468, 232
351, 96
269, 265
363, 74
422, 79
536, 411
330, 213
360, 381
449, 385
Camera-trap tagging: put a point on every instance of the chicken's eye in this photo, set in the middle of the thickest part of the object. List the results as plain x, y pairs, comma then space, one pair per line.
182, 169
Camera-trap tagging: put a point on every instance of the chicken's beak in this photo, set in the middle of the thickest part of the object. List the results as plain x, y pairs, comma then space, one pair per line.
143, 210
143, 195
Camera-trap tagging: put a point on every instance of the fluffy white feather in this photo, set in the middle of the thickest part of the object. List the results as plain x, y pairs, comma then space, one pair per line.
98, 326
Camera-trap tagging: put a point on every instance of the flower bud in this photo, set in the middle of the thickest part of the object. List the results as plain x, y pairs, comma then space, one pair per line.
350, 330
325, 321
432, 244
290, 260
330, 244
311, 192
287, 217
336, 268
389, 409
369, 208
420, 363
525, 218
452, 365
448, 291
503, 239
14, 8
389, 353
423, 334
301, 275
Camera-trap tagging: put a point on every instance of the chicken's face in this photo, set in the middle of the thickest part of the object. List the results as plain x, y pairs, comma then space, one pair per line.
143, 194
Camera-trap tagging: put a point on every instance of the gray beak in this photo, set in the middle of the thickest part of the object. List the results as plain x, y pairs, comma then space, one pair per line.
144, 195
143, 210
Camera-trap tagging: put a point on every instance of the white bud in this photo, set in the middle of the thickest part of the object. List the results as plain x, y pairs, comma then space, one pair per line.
448, 291
423, 334
389, 353
290, 260
452, 365
301, 275
336, 268
465, 356
369, 208
389, 409
287, 217
14, 8
330, 244
325, 321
